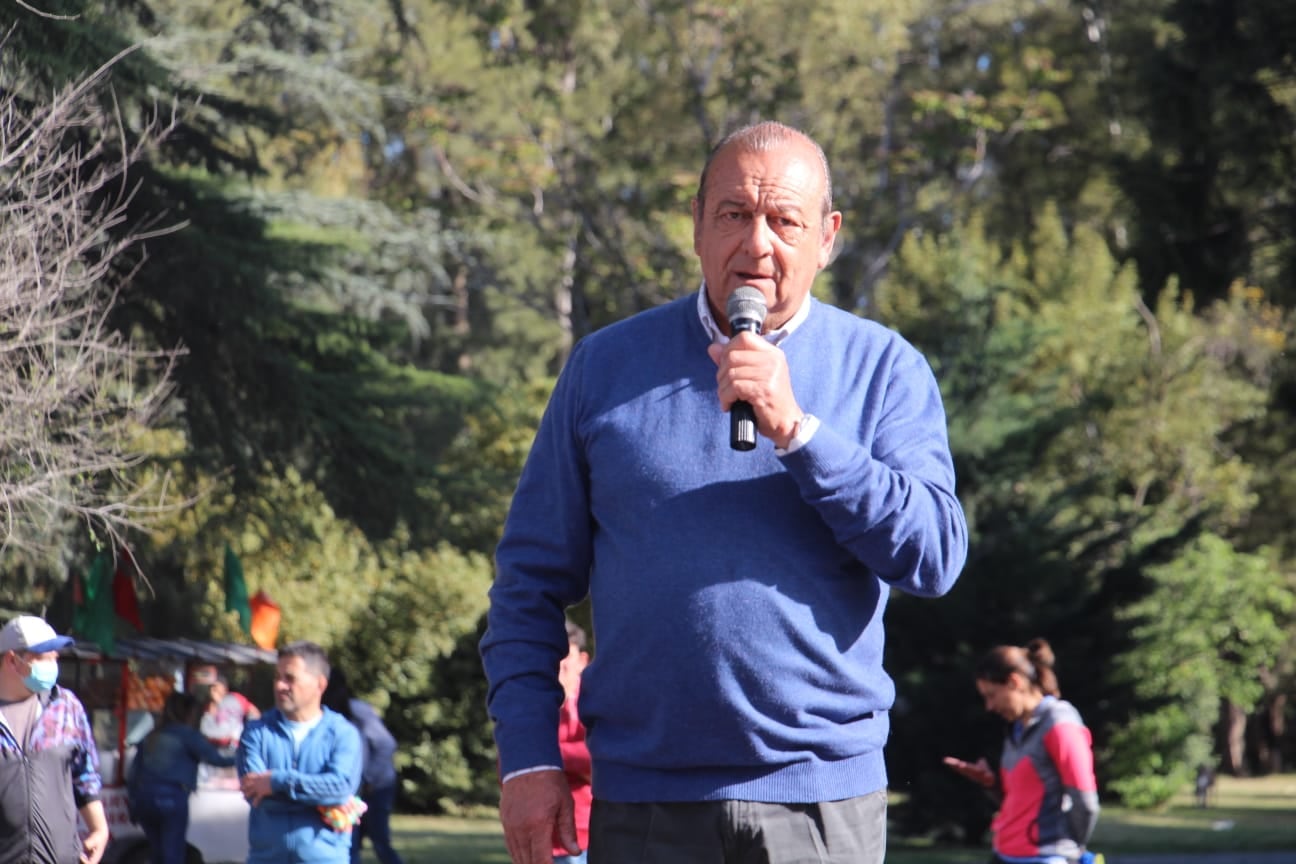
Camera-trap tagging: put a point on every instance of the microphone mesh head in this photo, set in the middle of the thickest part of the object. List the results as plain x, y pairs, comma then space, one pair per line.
746, 304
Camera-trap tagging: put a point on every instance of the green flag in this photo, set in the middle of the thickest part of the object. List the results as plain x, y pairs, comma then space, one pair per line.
236, 593
94, 618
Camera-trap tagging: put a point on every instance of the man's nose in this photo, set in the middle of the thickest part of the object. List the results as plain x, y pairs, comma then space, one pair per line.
758, 239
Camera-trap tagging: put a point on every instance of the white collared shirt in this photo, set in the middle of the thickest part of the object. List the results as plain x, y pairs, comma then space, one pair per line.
774, 337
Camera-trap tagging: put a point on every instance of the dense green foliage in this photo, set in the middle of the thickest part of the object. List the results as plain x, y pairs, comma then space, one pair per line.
398, 217
1087, 470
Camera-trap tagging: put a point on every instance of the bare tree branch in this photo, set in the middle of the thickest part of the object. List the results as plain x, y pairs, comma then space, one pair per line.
45, 14
75, 394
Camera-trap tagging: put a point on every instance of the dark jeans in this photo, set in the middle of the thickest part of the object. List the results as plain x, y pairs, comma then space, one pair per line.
162, 812
740, 832
376, 825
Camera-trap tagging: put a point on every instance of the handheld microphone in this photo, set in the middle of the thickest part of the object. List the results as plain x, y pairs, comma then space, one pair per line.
745, 310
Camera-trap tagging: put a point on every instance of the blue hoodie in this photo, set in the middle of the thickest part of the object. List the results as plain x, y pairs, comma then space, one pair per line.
287, 827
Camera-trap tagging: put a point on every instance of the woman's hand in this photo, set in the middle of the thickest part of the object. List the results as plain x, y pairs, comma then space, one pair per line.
978, 772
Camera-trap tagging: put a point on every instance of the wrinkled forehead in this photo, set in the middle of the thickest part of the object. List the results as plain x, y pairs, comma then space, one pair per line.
782, 177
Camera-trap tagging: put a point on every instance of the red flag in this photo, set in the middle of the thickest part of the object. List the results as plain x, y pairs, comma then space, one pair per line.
123, 589
265, 620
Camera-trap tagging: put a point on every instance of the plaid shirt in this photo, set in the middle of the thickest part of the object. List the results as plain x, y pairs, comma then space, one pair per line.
62, 723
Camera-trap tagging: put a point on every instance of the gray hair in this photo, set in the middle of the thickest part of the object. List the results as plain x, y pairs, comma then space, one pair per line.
312, 655
761, 138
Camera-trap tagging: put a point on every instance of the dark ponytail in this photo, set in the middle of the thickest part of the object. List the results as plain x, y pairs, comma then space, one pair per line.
1035, 663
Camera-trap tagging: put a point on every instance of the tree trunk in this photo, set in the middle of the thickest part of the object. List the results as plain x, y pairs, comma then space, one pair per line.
1272, 728
1233, 724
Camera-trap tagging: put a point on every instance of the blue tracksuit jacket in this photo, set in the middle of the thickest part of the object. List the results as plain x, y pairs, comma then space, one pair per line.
287, 828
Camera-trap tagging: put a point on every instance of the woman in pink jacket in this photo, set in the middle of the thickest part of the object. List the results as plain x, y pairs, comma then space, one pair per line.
1049, 795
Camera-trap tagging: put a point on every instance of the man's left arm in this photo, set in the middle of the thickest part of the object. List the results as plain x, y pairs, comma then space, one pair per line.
92, 847
87, 784
891, 501
335, 784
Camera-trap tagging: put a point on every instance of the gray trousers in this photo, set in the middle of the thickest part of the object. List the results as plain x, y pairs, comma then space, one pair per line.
740, 832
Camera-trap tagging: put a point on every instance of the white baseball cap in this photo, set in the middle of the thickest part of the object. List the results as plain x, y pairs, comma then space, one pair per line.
29, 633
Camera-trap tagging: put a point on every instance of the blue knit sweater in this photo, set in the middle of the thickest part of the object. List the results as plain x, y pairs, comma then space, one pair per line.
737, 596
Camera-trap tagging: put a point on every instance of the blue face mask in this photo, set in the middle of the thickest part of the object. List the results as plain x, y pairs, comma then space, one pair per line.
42, 677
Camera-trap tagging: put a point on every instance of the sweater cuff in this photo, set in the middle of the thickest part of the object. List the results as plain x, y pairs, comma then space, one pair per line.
518, 773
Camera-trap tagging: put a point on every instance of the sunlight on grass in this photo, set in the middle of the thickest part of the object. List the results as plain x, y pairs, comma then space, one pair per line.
446, 840
1246, 815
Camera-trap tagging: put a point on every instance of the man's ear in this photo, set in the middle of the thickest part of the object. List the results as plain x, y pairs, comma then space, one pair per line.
831, 225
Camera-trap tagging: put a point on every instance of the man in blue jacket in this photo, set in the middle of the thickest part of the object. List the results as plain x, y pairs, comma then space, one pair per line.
296, 761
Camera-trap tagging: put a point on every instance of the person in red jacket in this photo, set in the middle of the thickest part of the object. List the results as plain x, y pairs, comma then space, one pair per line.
571, 741
1046, 777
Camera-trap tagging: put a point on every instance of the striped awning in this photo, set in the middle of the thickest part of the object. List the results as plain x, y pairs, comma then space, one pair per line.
188, 650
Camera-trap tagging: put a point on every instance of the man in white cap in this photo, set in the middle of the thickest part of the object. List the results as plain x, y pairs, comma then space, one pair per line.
49, 767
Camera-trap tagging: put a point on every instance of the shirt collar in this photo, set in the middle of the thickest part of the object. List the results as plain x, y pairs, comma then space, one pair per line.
774, 337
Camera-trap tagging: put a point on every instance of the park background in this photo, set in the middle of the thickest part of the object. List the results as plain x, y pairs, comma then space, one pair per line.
284, 285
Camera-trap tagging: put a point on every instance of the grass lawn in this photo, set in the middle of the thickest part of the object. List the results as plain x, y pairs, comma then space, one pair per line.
1246, 815
445, 840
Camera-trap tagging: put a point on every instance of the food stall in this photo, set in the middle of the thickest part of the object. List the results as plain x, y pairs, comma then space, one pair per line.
123, 690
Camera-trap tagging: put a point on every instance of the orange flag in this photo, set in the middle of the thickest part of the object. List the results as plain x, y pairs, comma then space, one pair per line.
265, 620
